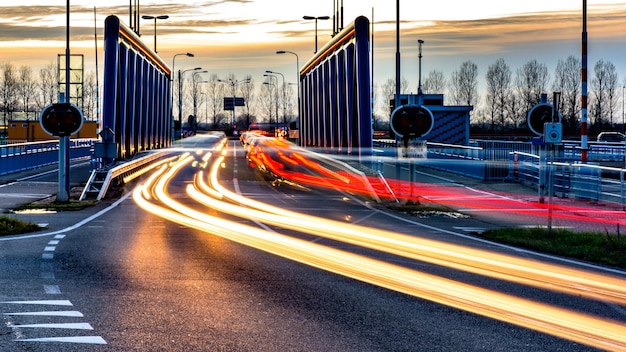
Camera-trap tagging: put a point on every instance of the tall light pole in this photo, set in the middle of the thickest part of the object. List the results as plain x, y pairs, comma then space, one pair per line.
172, 88
275, 96
315, 18
155, 18
283, 94
180, 97
419, 82
297, 80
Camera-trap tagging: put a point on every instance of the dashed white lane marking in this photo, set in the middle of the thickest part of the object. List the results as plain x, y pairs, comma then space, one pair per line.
52, 289
470, 229
47, 256
53, 242
96, 340
52, 313
50, 248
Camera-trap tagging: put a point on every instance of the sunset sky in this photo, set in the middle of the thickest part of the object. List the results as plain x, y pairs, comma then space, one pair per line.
242, 36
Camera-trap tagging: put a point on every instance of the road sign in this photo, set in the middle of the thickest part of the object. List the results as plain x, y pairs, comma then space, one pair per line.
231, 102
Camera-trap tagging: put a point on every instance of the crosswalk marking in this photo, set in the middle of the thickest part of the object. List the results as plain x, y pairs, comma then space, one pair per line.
76, 326
52, 313
51, 302
70, 339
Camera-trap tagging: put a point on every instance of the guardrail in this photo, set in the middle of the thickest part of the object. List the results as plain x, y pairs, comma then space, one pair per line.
24, 156
570, 179
583, 181
101, 179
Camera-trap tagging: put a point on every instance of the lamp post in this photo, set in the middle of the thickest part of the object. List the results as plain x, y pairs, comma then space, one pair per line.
315, 18
155, 18
283, 94
297, 80
275, 95
419, 81
172, 88
180, 97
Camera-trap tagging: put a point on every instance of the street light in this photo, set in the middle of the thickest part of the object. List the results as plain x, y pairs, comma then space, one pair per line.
180, 97
315, 18
283, 94
297, 78
172, 88
275, 96
419, 82
155, 18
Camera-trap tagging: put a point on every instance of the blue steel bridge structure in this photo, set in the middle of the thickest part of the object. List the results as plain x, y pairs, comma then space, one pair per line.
335, 110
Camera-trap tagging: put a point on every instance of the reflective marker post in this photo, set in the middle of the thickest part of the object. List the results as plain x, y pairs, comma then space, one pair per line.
63, 194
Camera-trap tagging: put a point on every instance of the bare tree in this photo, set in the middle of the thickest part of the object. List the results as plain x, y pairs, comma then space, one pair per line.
389, 90
603, 89
8, 91
267, 100
89, 96
246, 90
25, 87
463, 85
48, 86
498, 90
567, 81
434, 83
531, 80
215, 96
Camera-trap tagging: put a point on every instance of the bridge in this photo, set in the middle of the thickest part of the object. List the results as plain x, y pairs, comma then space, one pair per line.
335, 117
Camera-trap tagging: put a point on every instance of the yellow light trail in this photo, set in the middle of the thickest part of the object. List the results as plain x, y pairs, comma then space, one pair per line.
575, 326
505, 267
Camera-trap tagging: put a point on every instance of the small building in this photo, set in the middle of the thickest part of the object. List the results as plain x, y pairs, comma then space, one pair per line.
31, 131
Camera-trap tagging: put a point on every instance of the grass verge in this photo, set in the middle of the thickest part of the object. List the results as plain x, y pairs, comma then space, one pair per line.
11, 226
600, 248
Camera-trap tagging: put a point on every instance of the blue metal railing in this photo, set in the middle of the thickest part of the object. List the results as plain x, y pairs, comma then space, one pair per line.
24, 156
519, 161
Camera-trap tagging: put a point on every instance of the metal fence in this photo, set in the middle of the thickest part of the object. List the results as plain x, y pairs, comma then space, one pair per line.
521, 162
23, 156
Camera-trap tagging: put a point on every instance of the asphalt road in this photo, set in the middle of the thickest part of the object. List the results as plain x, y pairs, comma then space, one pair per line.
128, 280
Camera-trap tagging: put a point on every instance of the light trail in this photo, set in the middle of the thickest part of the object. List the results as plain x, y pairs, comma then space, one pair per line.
593, 331
312, 173
529, 272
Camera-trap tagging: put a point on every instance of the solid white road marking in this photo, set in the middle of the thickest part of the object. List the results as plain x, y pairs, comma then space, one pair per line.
52, 289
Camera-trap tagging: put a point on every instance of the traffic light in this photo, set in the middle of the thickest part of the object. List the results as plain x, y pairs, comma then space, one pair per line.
411, 121
61, 119
538, 116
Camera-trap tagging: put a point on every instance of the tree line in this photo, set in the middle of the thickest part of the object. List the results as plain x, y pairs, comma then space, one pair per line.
509, 94
507, 97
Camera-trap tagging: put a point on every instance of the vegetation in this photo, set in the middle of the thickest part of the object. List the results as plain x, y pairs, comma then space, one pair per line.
11, 226
598, 248
59, 206
508, 95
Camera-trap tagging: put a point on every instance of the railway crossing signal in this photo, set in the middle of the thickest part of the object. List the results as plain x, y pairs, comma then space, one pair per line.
61, 119
411, 121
